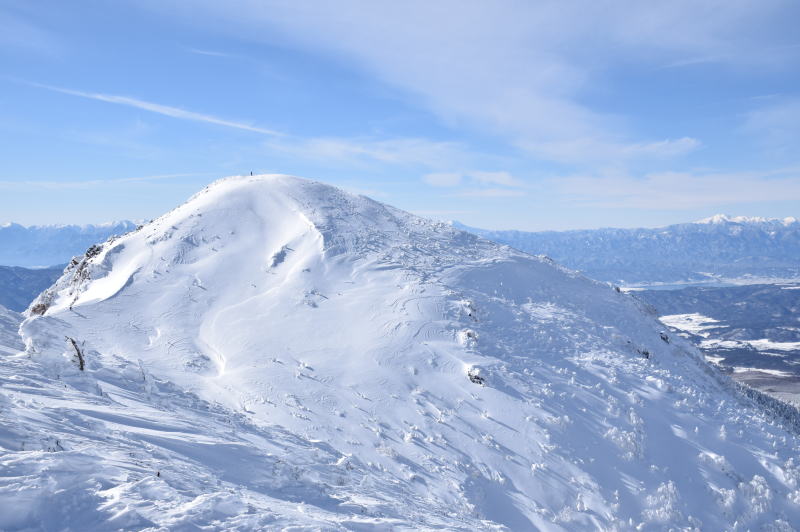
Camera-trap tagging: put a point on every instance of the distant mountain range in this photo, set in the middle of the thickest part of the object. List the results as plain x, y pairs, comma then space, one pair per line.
719, 247
46, 245
18, 286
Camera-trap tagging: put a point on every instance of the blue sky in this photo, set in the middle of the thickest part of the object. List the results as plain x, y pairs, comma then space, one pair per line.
527, 115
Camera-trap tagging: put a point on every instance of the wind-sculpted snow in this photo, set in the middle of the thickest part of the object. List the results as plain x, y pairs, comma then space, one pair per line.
276, 352
720, 247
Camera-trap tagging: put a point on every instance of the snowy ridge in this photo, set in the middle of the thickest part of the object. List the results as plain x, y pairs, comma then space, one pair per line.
724, 219
277, 352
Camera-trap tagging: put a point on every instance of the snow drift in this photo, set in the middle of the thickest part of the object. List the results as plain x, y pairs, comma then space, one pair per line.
277, 352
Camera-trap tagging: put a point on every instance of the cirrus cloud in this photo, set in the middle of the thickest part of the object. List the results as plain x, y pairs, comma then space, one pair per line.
680, 190
520, 70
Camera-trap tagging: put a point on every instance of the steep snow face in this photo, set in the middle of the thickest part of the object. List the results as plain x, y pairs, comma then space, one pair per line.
47, 245
277, 352
716, 248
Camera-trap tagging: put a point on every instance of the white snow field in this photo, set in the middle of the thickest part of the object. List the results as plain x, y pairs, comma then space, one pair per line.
279, 354
693, 323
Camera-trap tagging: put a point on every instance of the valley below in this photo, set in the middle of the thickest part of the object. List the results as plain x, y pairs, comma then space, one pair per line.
751, 332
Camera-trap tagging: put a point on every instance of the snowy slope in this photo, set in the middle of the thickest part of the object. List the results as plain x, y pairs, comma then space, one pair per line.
716, 247
47, 245
277, 352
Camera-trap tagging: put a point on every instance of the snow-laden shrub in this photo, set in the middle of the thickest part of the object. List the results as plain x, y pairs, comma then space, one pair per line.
757, 495
663, 505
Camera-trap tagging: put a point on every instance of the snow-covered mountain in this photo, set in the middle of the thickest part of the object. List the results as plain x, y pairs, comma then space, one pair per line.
276, 352
47, 245
713, 248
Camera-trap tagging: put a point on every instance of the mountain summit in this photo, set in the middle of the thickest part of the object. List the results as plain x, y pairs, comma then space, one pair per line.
277, 352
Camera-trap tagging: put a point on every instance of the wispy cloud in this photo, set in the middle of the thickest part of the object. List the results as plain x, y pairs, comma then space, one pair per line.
776, 125
595, 150
490, 193
496, 178
680, 190
210, 53
522, 70
443, 179
166, 110
361, 151
693, 61
88, 183
479, 183
21, 34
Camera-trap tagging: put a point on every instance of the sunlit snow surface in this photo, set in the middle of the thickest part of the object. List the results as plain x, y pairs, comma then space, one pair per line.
276, 352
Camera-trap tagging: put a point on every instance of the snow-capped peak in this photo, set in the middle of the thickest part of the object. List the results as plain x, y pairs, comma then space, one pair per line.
724, 218
277, 352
